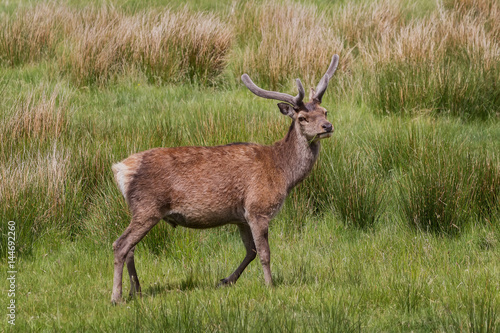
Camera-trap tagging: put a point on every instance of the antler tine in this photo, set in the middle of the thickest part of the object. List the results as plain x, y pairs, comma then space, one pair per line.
294, 101
298, 99
333, 65
323, 83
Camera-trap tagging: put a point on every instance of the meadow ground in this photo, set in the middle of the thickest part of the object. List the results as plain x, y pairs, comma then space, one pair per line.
396, 229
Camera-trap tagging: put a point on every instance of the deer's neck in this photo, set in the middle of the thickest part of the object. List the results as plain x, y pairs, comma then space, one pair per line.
296, 156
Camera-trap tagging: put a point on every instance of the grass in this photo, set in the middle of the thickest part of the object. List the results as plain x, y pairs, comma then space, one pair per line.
95, 45
331, 279
397, 227
444, 88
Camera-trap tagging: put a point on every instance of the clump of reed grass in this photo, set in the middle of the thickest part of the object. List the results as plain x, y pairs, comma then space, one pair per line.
444, 88
434, 196
19, 174
32, 192
447, 63
352, 186
173, 45
482, 313
367, 23
96, 45
37, 118
485, 174
393, 146
449, 187
167, 47
31, 34
290, 40
107, 214
440, 183
34, 166
96, 50
487, 11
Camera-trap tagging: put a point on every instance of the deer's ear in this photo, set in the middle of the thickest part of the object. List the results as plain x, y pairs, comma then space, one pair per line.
287, 110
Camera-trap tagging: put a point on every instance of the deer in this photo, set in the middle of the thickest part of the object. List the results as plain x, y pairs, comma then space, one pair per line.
205, 187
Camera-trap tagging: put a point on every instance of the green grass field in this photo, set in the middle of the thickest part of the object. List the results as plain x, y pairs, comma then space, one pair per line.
396, 229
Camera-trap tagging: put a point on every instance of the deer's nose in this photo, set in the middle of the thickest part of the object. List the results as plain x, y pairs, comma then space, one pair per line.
327, 127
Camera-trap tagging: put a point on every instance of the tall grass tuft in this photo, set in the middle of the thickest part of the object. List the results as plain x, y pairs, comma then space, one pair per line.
353, 186
486, 196
447, 63
34, 165
107, 215
96, 48
96, 45
487, 11
33, 194
171, 46
167, 47
482, 313
434, 196
443, 88
448, 187
367, 23
290, 40
31, 34
36, 118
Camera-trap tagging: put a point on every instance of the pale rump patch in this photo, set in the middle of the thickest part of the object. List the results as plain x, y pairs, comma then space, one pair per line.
124, 171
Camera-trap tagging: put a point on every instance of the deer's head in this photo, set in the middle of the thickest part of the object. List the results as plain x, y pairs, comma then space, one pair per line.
309, 117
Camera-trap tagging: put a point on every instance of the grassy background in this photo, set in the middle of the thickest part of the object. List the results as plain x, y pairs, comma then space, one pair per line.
396, 229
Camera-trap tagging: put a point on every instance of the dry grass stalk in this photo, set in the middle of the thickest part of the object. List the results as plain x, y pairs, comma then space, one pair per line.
95, 50
467, 34
487, 10
367, 23
181, 44
37, 118
42, 172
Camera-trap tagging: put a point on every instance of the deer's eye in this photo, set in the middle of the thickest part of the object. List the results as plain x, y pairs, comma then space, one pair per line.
326, 113
302, 119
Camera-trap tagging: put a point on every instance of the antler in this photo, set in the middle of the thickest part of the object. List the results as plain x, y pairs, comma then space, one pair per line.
294, 101
323, 83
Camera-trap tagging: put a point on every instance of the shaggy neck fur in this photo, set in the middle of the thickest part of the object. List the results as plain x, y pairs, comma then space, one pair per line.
296, 156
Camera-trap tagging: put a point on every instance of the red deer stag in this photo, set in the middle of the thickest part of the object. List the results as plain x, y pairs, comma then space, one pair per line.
205, 187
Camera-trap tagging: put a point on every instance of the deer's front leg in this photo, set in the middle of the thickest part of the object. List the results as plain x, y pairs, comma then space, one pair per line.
260, 226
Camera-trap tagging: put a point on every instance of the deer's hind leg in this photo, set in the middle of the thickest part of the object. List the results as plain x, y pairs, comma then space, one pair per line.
135, 286
123, 251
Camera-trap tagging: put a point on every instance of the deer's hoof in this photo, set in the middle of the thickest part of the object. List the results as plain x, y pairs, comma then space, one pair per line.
116, 300
224, 283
